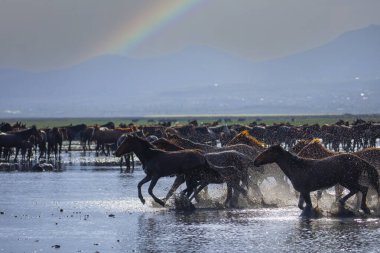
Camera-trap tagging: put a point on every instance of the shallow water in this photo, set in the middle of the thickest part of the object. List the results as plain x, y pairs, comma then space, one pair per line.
95, 208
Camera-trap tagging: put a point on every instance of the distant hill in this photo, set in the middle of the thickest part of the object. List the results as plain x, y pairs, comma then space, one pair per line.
341, 76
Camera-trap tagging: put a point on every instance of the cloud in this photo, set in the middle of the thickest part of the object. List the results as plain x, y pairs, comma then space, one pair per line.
12, 111
45, 34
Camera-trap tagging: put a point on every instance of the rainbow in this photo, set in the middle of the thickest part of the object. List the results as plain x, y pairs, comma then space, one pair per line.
154, 18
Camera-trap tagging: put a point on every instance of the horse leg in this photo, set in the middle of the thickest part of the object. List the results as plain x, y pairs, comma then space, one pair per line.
150, 191
133, 162
121, 164
48, 151
238, 189
55, 151
358, 200
307, 199
147, 178
256, 189
17, 150
191, 187
301, 202
128, 162
198, 190
228, 201
352, 192
177, 182
338, 192
363, 206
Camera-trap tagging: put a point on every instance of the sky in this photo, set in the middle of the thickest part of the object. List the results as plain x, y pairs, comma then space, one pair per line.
40, 35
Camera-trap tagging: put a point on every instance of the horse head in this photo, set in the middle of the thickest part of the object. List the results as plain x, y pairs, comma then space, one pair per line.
268, 156
34, 131
127, 143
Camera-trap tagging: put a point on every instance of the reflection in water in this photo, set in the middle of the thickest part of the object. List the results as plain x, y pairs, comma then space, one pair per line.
332, 235
171, 232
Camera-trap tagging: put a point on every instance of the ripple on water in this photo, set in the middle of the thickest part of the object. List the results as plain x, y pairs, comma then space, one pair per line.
117, 206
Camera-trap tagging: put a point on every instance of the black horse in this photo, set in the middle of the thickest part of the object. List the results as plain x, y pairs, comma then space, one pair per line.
159, 163
309, 175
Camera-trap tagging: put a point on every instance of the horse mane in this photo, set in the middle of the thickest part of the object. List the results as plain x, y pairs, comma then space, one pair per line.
315, 150
245, 136
315, 141
124, 129
166, 145
146, 144
300, 145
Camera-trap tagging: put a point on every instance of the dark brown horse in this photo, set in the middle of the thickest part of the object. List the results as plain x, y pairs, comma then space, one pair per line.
159, 163
309, 175
229, 158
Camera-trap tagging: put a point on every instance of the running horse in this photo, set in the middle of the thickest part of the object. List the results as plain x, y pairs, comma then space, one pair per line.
17, 139
159, 163
307, 175
229, 158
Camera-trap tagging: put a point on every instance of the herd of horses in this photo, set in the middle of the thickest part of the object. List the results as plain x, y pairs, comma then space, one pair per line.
311, 157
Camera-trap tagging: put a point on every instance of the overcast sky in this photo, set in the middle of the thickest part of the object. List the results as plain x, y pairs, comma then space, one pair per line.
46, 34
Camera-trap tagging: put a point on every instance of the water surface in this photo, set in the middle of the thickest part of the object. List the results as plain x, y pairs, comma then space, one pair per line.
88, 208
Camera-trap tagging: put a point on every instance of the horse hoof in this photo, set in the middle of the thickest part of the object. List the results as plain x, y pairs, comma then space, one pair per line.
366, 210
143, 201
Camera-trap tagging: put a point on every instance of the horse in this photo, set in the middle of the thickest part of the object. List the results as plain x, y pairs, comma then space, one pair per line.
86, 138
270, 170
307, 175
5, 127
74, 132
316, 151
127, 157
159, 163
226, 158
17, 139
41, 143
54, 141
105, 137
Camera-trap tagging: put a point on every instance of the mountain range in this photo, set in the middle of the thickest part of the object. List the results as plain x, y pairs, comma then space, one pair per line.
341, 76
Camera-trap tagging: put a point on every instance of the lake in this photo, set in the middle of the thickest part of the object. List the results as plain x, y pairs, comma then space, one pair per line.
89, 208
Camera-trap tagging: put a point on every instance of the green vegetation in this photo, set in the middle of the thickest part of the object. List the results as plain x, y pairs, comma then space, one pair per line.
182, 119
